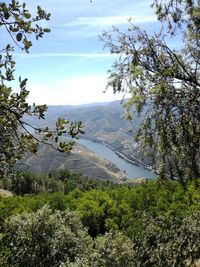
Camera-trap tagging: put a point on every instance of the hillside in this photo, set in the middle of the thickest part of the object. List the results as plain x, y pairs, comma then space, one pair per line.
80, 160
102, 121
99, 119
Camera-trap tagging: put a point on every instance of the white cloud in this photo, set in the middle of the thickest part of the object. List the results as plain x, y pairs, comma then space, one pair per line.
110, 20
80, 55
73, 91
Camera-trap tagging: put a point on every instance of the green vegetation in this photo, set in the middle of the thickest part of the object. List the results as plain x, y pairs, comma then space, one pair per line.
108, 224
101, 122
64, 218
16, 135
59, 239
23, 182
163, 81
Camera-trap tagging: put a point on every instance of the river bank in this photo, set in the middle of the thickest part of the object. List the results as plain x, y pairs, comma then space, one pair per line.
134, 160
132, 168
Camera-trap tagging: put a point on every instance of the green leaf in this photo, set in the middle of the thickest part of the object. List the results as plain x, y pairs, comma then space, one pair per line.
19, 37
46, 30
27, 15
48, 134
6, 15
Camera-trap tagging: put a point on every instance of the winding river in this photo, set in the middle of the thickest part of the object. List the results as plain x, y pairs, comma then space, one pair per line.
132, 171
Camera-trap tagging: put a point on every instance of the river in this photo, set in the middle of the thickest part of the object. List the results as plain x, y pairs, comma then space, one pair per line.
132, 171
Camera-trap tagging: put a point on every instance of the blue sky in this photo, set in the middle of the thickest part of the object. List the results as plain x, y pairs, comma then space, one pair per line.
69, 65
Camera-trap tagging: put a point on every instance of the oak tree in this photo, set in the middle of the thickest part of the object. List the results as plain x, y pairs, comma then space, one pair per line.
163, 82
16, 135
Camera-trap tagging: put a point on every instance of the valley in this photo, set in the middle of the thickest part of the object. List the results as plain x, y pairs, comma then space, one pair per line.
103, 123
79, 160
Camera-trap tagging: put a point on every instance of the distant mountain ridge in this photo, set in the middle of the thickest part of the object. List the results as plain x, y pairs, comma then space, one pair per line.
99, 119
80, 160
102, 122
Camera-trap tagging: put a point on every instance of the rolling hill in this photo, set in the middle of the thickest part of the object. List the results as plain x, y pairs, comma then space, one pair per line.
102, 122
79, 160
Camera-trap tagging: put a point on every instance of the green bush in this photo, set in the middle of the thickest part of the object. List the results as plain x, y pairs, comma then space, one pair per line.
168, 241
110, 250
44, 238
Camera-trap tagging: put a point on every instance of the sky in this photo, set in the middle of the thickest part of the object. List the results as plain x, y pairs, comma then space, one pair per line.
69, 65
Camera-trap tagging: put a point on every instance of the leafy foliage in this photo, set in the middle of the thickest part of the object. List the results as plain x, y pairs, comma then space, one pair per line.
44, 238
58, 238
113, 249
16, 136
23, 182
168, 242
109, 207
153, 224
164, 82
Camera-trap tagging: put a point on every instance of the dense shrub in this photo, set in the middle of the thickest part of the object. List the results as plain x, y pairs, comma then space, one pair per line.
111, 250
169, 241
62, 180
54, 238
44, 238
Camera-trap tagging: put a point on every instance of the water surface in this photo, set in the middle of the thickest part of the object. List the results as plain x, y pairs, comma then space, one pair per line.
132, 171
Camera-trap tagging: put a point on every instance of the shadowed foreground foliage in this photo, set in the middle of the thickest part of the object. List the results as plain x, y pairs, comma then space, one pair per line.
17, 136
162, 80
